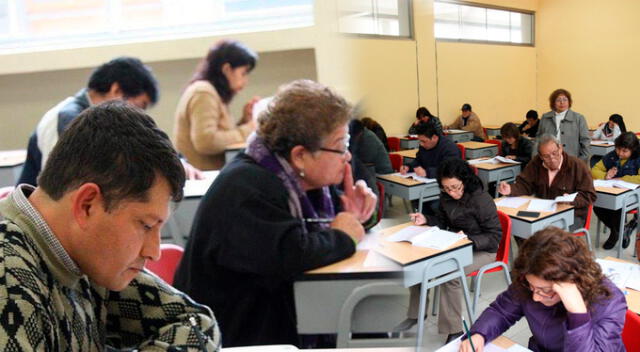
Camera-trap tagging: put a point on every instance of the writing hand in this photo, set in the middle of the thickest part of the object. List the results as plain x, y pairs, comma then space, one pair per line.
404, 169
357, 199
478, 343
504, 188
611, 173
418, 218
420, 171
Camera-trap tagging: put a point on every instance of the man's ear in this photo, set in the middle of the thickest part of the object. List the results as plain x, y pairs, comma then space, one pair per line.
115, 91
86, 201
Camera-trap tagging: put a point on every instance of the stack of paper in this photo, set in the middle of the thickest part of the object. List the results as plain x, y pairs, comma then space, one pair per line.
412, 175
550, 204
454, 131
495, 160
512, 202
454, 346
615, 183
431, 237
621, 274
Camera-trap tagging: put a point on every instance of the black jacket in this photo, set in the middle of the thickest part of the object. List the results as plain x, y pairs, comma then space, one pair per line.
244, 251
474, 214
522, 152
430, 159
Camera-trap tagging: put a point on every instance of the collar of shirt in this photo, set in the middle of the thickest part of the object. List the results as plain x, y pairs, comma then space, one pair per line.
20, 199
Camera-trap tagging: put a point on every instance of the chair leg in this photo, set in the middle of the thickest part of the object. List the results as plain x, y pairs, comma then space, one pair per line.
598, 223
436, 301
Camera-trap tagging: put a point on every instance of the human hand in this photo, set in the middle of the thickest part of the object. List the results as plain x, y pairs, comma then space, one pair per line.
418, 219
512, 157
478, 344
404, 169
570, 296
611, 173
504, 188
247, 111
349, 224
357, 199
191, 172
420, 171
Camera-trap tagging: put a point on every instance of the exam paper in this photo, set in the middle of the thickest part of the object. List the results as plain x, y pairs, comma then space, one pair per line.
197, 188
615, 183
621, 274
377, 260
431, 237
415, 177
454, 346
494, 160
568, 198
512, 202
542, 205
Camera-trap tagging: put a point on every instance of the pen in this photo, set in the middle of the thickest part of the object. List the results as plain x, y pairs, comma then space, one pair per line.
466, 329
319, 220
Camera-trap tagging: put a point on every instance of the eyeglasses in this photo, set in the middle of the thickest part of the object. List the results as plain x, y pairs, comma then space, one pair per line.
553, 155
337, 151
562, 99
546, 292
450, 189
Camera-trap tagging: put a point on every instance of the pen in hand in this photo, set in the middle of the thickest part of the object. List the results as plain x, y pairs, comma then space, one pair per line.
319, 220
466, 330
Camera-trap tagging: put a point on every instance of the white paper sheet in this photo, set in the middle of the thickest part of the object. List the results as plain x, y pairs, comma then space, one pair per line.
495, 160
512, 202
377, 260
621, 274
415, 177
431, 237
542, 205
454, 131
615, 183
454, 346
506, 160
406, 233
369, 241
568, 198
197, 188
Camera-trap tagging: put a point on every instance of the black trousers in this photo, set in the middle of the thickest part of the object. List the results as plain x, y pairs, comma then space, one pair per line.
610, 218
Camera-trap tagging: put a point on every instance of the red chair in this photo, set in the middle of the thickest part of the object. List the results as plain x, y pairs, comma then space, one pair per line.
475, 169
394, 144
584, 231
461, 147
396, 161
166, 266
631, 331
496, 142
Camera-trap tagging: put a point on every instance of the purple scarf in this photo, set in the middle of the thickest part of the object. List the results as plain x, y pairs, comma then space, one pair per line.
302, 205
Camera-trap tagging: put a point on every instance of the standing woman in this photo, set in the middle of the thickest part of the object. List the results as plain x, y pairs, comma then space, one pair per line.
203, 125
568, 126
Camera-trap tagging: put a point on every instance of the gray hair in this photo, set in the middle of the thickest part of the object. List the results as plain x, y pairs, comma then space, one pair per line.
546, 139
304, 113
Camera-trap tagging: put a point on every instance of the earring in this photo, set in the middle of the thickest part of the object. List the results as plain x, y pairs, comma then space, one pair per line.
301, 173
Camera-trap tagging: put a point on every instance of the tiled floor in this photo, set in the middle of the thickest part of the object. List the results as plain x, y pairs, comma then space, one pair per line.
493, 284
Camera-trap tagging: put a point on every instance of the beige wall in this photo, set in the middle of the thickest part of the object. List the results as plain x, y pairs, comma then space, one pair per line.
590, 48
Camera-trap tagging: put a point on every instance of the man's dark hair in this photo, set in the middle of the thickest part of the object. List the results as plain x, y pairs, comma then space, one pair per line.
422, 111
466, 107
119, 148
133, 77
532, 114
427, 129
225, 51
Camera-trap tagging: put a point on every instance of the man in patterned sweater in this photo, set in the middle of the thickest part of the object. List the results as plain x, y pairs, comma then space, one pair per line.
72, 251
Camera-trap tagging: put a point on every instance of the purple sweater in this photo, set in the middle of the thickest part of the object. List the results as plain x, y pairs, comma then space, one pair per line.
600, 331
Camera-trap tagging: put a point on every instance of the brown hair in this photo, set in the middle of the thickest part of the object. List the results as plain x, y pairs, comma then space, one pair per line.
556, 93
556, 255
369, 123
303, 113
510, 129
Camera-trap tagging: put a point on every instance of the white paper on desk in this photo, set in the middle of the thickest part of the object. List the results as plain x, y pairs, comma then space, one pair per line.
197, 188
633, 281
406, 233
542, 205
615, 183
369, 241
413, 175
512, 202
377, 260
431, 237
454, 346
506, 160
454, 131
603, 183
619, 273
568, 198
483, 161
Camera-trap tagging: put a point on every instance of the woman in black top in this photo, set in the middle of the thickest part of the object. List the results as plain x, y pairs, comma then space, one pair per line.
514, 146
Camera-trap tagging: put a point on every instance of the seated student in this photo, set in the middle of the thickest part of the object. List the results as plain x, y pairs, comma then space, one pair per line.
434, 149
270, 215
551, 173
529, 127
611, 130
376, 128
464, 206
367, 147
422, 116
514, 146
469, 121
623, 163
561, 291
72, 271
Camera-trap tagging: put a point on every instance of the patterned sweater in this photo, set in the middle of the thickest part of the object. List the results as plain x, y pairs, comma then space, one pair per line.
46, 304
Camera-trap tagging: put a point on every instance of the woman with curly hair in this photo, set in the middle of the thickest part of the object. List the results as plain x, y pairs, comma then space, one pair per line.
561, 291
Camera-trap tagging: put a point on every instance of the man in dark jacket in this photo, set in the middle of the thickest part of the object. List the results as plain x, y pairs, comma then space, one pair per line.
433, 150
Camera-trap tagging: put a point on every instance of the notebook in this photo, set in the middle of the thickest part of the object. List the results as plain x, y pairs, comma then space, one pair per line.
427, 237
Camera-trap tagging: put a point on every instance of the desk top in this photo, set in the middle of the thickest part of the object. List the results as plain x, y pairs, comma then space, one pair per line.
492, 127
612, 190
492, 166
602, 144
513, 211
236, 146
10, 158
409, 182
456, 131
408, 153
632, 296
477, 145
409, 138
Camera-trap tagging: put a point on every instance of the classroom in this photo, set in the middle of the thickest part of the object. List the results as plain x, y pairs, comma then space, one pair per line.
586, 47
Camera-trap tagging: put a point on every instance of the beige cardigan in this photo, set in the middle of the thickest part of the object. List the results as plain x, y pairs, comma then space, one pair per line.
473, 125
203, 127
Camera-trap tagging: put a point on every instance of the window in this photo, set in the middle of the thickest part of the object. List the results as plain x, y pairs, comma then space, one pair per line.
47, 23
375, 17
455, 21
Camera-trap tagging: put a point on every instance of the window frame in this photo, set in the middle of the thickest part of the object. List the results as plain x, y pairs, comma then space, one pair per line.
410, 21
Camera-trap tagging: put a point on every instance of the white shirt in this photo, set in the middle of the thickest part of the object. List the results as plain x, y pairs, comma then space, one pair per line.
559, 116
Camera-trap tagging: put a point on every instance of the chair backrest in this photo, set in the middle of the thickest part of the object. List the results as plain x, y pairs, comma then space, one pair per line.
462, 151
496, 142
587, 223
166, 267
475, 169
394, 143
505, 242
396, 161
631, 331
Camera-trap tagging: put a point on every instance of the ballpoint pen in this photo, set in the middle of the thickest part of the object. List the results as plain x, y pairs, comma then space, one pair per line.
466, 331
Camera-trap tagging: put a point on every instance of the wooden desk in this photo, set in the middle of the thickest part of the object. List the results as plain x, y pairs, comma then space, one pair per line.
320, 294
475, 150
11, 162
632, 296
408, 142
525, 227
613, 198
600, 148
493, 130
407, 155
232, 150
458, 136
407, 188
489, 172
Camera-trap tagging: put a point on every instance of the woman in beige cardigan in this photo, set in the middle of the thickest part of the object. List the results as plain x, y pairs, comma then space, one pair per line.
203, 125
